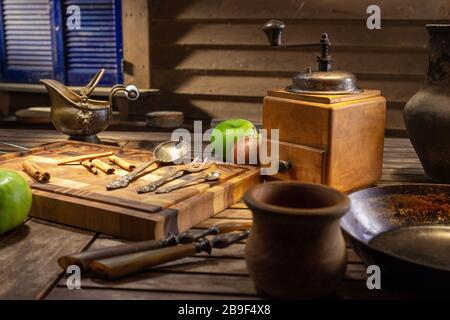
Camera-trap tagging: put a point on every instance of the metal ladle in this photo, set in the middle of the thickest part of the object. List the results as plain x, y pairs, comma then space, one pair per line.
210, 176
165, 152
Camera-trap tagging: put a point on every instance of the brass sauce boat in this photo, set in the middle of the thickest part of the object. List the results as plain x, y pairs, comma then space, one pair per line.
79, 116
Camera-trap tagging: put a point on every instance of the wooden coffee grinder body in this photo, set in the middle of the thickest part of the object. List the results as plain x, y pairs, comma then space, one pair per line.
330, 139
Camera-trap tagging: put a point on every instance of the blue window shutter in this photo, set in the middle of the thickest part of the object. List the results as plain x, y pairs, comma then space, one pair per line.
96, 44
26, 40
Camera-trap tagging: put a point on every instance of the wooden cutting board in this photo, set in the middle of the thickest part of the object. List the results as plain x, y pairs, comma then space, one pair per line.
76, 197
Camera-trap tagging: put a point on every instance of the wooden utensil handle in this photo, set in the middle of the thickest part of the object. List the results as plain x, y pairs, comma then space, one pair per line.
83, 259
127, 264
233, 226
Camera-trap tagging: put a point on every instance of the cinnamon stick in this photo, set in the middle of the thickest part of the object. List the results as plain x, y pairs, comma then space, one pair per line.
90, 166
122, 163
106, 168
84, 157
36, 171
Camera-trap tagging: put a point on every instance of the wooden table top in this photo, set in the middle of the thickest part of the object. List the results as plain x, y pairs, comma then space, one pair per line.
28, 254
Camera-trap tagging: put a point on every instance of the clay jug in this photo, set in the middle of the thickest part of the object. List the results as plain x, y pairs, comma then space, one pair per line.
427, 113
296, 249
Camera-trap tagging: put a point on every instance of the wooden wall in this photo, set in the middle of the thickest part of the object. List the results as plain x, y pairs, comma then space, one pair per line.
210, 58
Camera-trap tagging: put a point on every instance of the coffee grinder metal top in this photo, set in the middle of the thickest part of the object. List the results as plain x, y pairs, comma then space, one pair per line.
323, 81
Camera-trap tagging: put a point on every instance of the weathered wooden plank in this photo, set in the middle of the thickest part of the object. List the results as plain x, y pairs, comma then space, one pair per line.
393, 34
136, 42
299, 9
193, 282
396, 165
239, 205
391, 160
54, 134
406, 156
204, 107
208, 106
357, 60
235, 214
349, 290
176, 282
61, 293
403, 171
222, 273
352, 256
356, 272
208, 265
399, 149
28, 257
4, 104
397, 142
183, 82
404, 178
210, 222
394, 119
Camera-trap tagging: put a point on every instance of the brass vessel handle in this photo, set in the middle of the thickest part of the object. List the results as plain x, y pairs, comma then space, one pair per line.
131, 92
89, 88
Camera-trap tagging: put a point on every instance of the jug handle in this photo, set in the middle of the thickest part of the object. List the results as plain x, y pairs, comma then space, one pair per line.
131, 92
87, 90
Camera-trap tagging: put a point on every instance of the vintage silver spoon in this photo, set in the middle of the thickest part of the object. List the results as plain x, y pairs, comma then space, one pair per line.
165, 152
210, 176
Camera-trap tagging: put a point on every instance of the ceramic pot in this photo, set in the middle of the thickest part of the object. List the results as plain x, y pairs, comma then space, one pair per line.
296, 249
427, 113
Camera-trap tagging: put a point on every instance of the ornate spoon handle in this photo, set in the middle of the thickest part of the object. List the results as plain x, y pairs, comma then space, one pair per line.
125, 180
180, 185
133, 174
155, 184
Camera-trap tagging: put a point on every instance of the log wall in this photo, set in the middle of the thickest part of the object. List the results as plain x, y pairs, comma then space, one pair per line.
211, 60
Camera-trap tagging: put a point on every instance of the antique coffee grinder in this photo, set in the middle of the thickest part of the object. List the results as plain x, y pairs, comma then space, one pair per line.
330, 131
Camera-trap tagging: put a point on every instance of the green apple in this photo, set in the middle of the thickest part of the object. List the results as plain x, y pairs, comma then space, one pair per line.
15, 200
226, 133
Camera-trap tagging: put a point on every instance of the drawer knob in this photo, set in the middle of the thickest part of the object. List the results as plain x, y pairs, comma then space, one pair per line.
284, 166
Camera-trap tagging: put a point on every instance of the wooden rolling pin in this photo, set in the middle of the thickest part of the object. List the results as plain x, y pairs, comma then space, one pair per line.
120, 266
36, 171
82, 259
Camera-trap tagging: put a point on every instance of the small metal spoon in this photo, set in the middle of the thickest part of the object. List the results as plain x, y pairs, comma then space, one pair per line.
165, 152
210, 176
